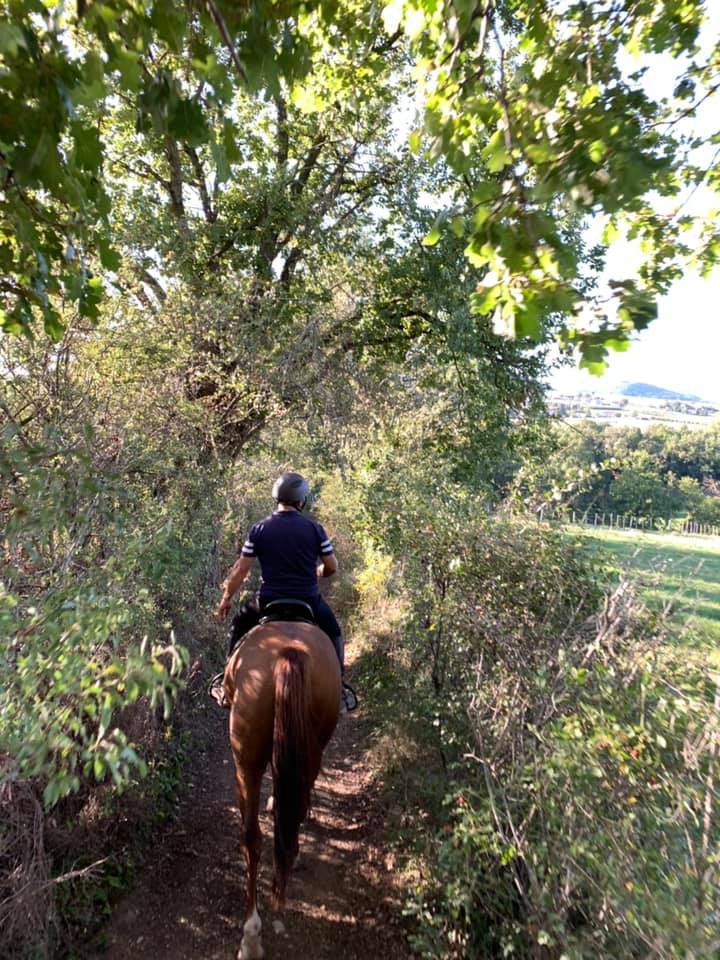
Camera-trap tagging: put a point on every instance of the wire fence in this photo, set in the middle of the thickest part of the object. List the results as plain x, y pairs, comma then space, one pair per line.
626, 521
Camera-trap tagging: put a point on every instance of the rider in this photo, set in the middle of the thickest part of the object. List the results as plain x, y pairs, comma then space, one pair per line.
288, 546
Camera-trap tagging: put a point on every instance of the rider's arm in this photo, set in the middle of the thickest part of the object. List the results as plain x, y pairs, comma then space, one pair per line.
328, 563
327, 566
236, 577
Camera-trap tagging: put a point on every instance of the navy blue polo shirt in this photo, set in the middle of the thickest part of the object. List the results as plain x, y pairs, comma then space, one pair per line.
288, 545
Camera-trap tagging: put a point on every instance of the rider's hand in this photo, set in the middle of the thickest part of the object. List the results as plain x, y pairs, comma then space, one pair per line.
224, 608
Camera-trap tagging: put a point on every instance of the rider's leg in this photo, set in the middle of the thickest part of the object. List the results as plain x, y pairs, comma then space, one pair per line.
326, 621
244, 620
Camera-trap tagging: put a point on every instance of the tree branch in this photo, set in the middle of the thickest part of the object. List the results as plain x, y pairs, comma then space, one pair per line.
175, 186
208, 210
226, 38
152, 282
149, 172
311, 159
283, 136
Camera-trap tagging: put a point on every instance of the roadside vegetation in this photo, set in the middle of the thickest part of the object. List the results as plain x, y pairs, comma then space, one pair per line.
549, 745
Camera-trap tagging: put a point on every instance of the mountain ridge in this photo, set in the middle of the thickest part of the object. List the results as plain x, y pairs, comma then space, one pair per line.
637, 389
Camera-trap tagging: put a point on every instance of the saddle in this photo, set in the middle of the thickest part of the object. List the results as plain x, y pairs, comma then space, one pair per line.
294, 611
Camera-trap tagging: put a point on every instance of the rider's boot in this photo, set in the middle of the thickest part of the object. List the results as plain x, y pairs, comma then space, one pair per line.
216, 689
348, 697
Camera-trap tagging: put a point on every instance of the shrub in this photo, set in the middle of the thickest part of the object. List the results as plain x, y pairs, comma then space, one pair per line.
576, 749
95, 573
584, 824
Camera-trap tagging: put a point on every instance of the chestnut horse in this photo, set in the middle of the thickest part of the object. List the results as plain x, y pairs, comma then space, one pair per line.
283, 685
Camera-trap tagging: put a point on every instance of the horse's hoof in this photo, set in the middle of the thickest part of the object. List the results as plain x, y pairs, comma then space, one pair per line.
251, 946
251, 952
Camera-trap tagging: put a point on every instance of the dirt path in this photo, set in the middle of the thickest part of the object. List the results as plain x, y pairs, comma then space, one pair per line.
187, 904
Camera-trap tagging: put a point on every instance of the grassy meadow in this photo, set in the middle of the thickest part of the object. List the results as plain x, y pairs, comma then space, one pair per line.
676, 571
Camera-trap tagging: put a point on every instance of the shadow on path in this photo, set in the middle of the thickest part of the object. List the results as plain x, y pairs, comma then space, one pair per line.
342, 903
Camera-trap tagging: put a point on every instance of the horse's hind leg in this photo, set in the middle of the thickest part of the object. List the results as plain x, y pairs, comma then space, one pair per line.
248, 797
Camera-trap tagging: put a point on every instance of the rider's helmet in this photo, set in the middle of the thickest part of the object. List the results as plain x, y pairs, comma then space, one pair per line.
291, 488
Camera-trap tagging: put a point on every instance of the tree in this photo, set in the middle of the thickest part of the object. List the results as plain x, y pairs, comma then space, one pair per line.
526, 103
532, 106
639, 489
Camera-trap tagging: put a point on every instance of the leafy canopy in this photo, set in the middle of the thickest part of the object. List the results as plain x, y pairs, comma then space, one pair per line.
532, 108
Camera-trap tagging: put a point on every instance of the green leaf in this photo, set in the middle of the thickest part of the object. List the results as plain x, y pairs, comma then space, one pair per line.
496, 152
597, 151
109, 257
88, 148
186, 121
593, 359
54, 326
457, 225
232, 151
93, 70
478, 252
127, 63
527, 321
10, 324
485, 300
222, 167
307, 100
168, 18
154, 103
431, 237
11, 38
90, 298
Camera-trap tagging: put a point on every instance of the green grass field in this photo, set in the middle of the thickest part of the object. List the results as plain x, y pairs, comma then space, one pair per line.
683, 572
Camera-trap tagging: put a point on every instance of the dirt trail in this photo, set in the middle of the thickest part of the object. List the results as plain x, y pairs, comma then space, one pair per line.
187, 903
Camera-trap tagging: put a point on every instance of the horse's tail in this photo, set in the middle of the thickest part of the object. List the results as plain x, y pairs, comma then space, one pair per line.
291, 761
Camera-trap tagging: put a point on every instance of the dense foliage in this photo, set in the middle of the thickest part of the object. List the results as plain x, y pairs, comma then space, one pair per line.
533, 108
552, 757
234, 308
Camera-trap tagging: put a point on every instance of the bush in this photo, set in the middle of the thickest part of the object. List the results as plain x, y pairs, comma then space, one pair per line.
96, 575
575, 748
83, 637
584, 824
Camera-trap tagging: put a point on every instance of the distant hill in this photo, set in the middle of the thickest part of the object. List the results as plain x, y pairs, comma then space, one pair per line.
658, 393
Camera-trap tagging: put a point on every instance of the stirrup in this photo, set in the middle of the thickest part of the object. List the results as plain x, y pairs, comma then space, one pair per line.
216, 690
348, 698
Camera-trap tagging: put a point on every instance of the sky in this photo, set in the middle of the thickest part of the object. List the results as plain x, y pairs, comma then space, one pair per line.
680, 350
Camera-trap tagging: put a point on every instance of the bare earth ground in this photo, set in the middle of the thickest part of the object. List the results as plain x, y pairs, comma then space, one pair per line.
342, 902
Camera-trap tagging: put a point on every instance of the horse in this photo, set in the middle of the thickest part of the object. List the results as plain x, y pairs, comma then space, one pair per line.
283, 687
